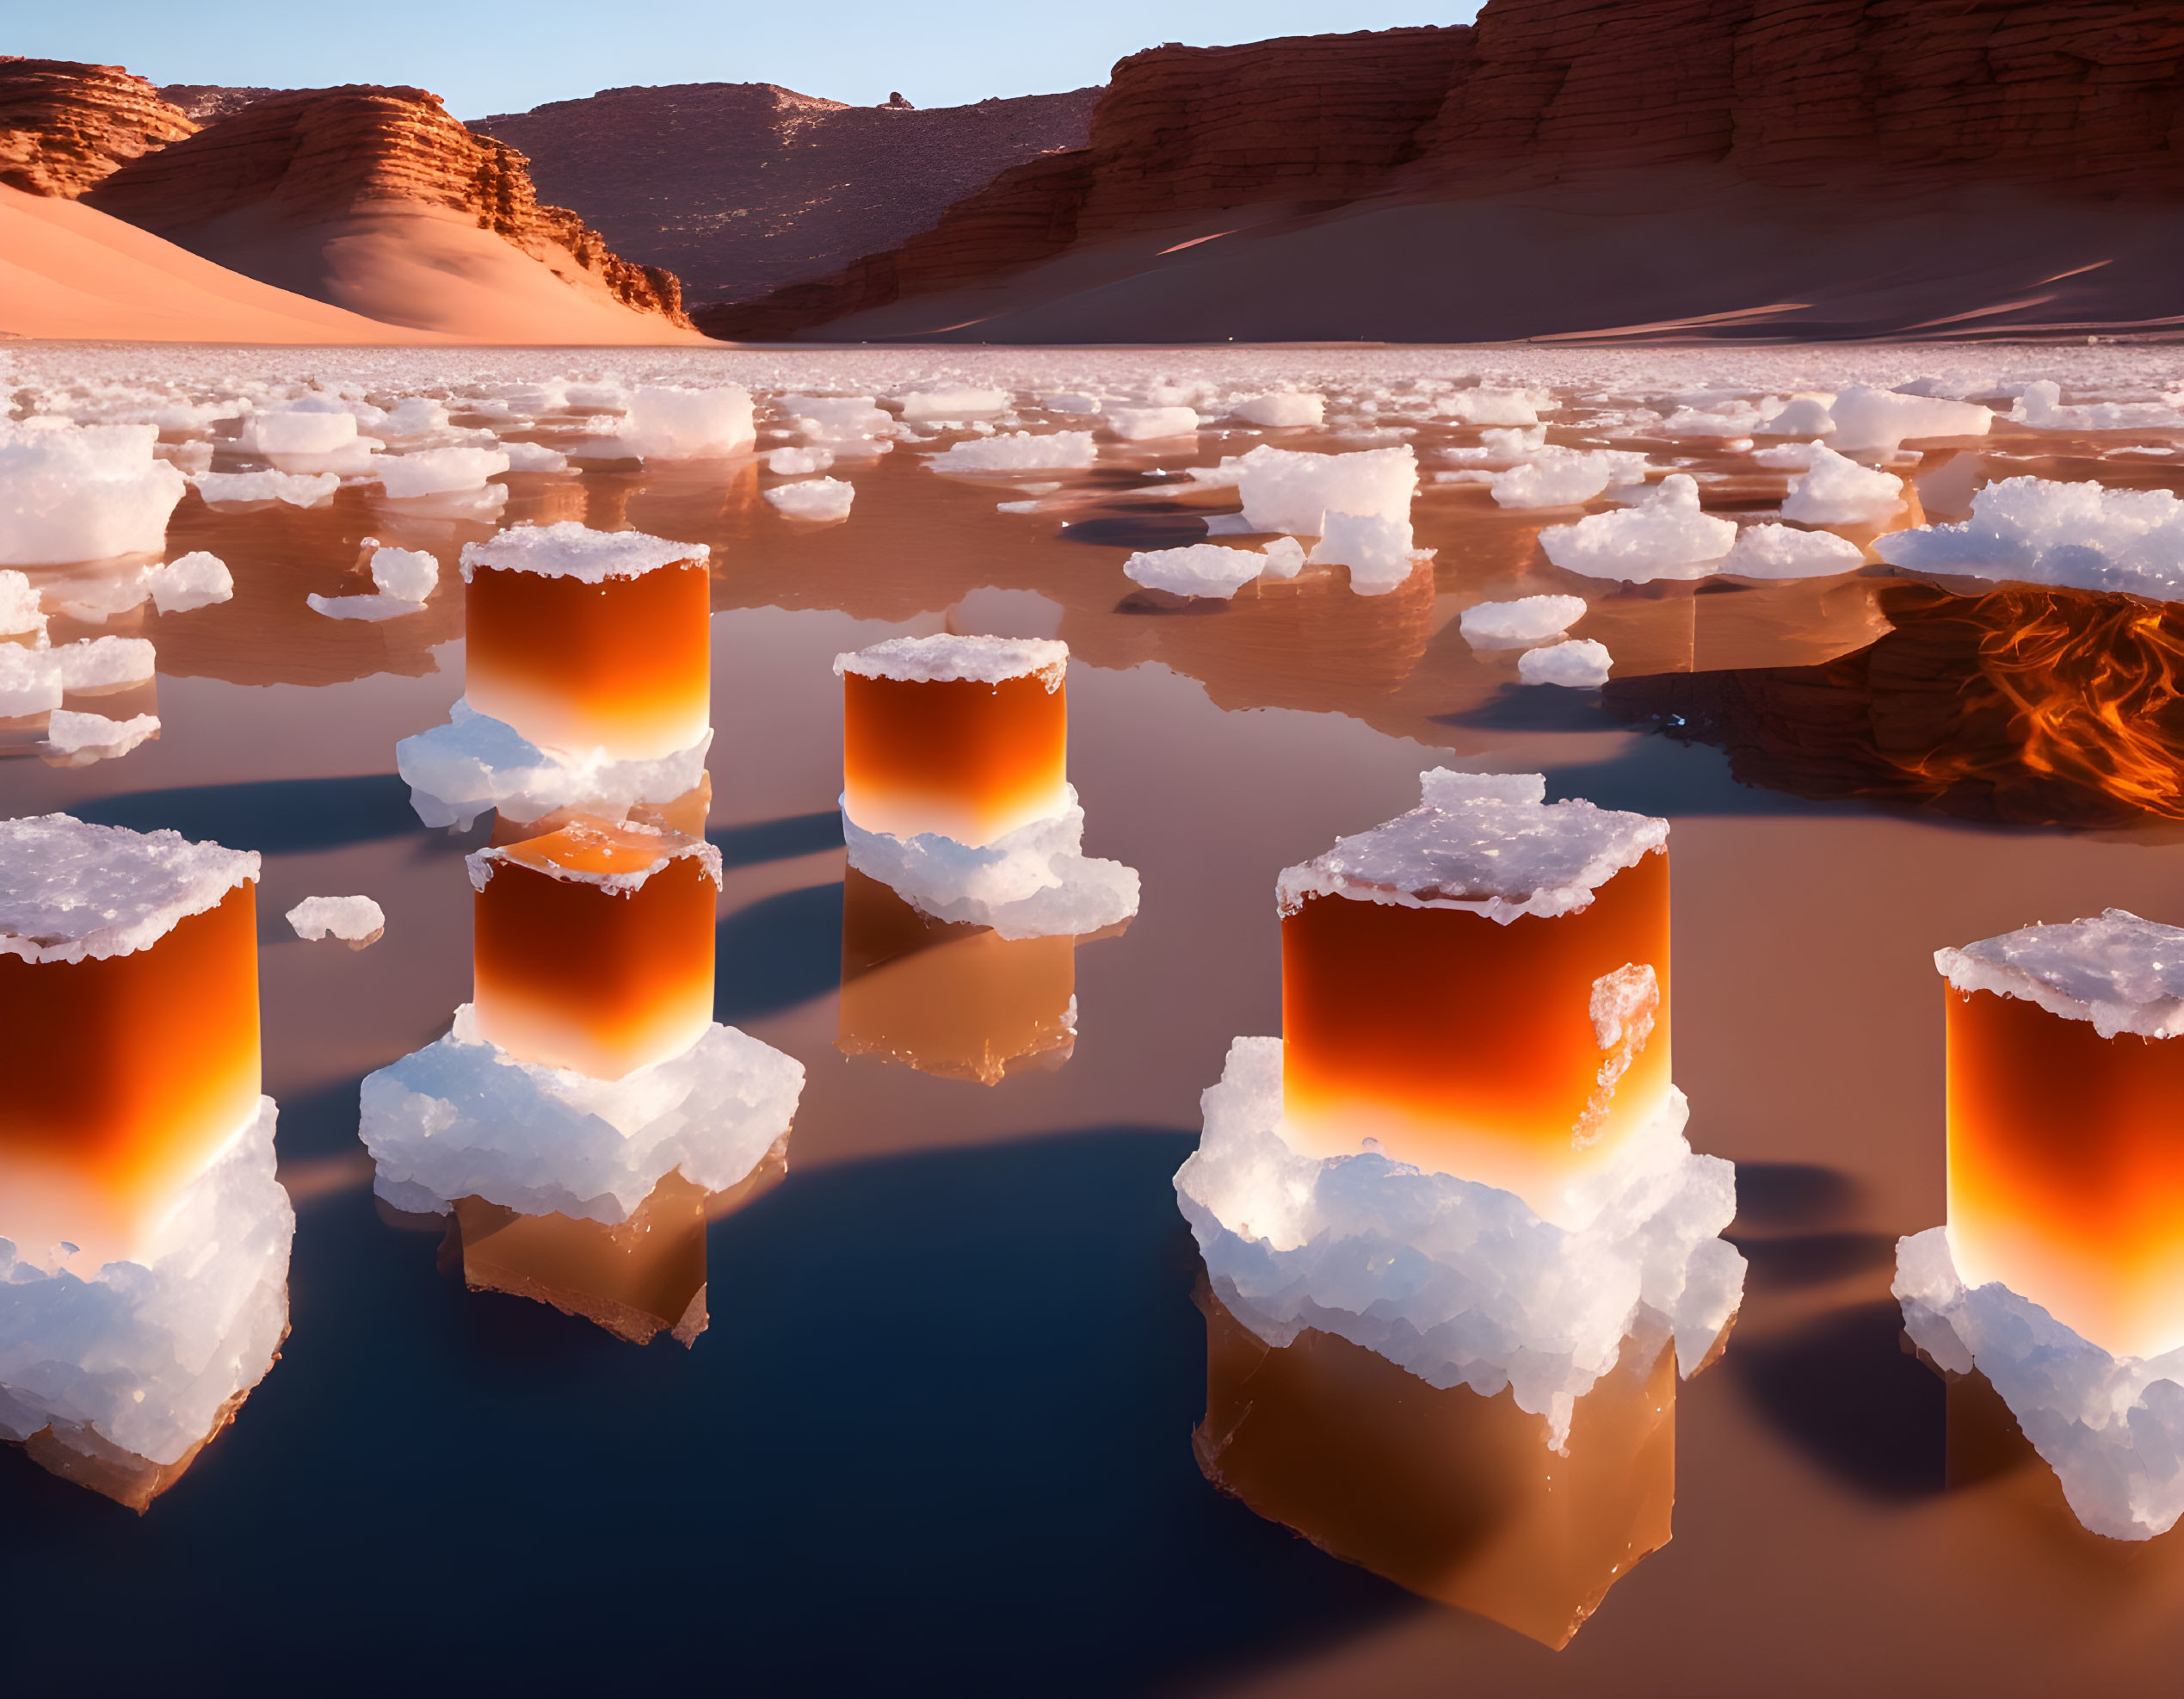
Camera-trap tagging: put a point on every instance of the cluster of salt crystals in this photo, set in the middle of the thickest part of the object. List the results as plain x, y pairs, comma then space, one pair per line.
297, 489
569, 549
403, 579
438, 471
475, 764
75, 739
197, 579
2033, 530
667, 424
1565, 477
72, 492
1785, 552
147, 1356
797, 462
356, 921
1837, 490
1295, 491
1151, 424
2116, 972
1582, 665
1663, 536
1280, 410
2041, 406
846, 421
952, 403
1020, 451
819, 501
1520, 624
1210, 569
72, 890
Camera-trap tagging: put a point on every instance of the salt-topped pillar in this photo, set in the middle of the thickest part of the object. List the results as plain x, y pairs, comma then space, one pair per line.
591, 644
1480, 987
593, 946
2065, 1161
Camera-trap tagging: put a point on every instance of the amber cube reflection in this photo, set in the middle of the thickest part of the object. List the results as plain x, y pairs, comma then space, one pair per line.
2066, 1168
1470, 1047
598, 979
128, 1074
971, 760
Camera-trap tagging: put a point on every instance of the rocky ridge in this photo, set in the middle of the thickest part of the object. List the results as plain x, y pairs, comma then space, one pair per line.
66, 126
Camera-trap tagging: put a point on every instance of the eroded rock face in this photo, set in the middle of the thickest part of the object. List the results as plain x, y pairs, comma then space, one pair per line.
66, 126
313, 155
207, 102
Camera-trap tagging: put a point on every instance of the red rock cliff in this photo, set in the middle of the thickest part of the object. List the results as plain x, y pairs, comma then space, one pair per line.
65, 126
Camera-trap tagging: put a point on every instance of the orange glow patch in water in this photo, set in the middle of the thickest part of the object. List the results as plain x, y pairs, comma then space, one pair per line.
972, 760
2066, 1168
1470, 1047
623, 665
573, 975
127, 1076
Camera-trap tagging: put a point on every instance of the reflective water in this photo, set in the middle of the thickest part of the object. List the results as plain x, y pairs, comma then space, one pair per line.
939, 1435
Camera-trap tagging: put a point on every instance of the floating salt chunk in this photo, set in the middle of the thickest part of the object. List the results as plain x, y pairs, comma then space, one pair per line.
2037, 531
1293, 490
1146, 424
356, 921
190, 581
297, 489
664, 422
1566, 478
1787, 456
412, 417
1837, 490
1869, 418
297, 431
407, 574
366, 607
1280, 409
1285, 558
952, 403
1020, 450
30, 681
72, 891
476, 764
795, 462
82, 492
1069, 403
1665, 536
1734, 422
1582, 665
821, 501
1495, 406
437, 472
1376, 548
836, 418
19, 612
2041, 407
1783, 552
1201, 569
105, 663
1521, 623
533, 457
95, 737
1800, 416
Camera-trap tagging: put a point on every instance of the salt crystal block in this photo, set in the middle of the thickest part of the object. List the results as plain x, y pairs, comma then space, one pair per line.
594, 644
1019, 451
1451, 1278
1840, 492
1285, 558
795, 462
953, 404
1560, 481
1582, 664
95, 735
2066, 1182
367, 608
1518, 624
475, 764
1146, 425
82, 492
593, 946
104, 663
148, 1355
356, 921
533, 457
2040, 407
1787, 456
413, 416
669, 424
956, 1000
965, 738
297, 489
2038, 531
819, 500
1665, 536
1287, 490
1496, 406
1783, 552
1280, 409
1482, 985
1068, 402
19, 609
1201, 569
437, 472
298, 432
407, 573
836, 418
1376, 548
30, 681
462, 1118
189, 581
1870, 418
129, 991
1800, 416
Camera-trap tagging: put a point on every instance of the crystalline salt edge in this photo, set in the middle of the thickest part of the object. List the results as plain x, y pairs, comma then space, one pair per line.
947, 657
474, 762
2121, 973
349, 918
1578, 664
72, 891
571, 550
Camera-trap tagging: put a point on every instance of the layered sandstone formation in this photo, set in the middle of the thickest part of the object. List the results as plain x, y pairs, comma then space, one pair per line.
740, 187
65, 126
206, 103
1683, 165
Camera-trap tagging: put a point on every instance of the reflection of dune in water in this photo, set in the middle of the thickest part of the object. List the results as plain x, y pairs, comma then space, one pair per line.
2023, 705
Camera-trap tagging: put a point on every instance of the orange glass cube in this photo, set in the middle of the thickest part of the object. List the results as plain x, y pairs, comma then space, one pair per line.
590, 642
592, 946
967, 737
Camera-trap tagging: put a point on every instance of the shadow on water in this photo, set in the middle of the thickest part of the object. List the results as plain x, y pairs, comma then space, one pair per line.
778, 952
281, 817
970, 1472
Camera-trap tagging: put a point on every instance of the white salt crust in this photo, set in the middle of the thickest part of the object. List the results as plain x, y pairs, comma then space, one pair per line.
82, 492
297, 489
93, 737
1460, 1283
1489, 843
569, 550
2121, 973
1665, 535
945, 657
145, 1355
1783, 552
673, 846
189, 581
70, 890
462, 1118
1578, 664
1020, 451
1034, 883
2111, 1428
1205, 569
353, 920
475, 764
1521, 623
819, 501
1837, 490
2033, 530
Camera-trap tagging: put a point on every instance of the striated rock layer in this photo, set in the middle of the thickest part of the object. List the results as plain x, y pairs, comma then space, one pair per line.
65, 126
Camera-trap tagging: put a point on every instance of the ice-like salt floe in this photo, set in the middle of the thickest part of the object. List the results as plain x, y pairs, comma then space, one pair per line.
356, 921
533, 457
476, 763
947, 657
70, 890
30, 681
19, 610
2037, 531
1837, 490
2121, 973
1800, 416
1460, 1283
1293, 489
1281, 409
1785, 552
189, 581
1020, 451
147, 1356
2040, 407
1869, 418
82, 492
819, 500
411, 574
664, 422
1146, 424
437, 472
1484, 406
796, 462
2111, 1428
952, 403
297, 431
1665, 536
105, 663
1033, 882
1068, 402
366, 607
462, 1118
836, 418
1581, 664
1566, 477
296, 488
570, 550
1201, 569
1520, 624
94, 737
1377, 548
412, 419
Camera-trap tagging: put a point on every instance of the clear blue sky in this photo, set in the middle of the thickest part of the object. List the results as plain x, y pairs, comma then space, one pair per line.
488, 57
